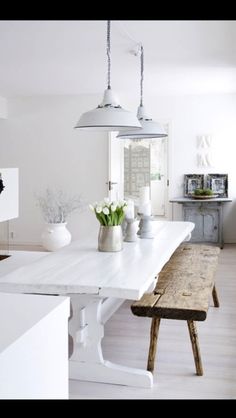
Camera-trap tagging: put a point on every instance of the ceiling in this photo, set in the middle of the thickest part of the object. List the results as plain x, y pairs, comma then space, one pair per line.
69, 57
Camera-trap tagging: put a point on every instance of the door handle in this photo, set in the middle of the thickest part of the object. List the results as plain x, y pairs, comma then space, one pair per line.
110, 183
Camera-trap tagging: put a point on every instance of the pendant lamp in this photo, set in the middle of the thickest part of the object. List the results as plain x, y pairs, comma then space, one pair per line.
109, 115
149, 128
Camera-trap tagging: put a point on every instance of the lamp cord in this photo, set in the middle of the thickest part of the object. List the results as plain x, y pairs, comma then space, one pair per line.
108, 54
141, 79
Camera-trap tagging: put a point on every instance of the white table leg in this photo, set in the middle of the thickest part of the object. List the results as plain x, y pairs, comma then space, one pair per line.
86, 362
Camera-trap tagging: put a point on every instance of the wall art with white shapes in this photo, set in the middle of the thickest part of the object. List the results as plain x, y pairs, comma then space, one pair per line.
9, 196
204, 151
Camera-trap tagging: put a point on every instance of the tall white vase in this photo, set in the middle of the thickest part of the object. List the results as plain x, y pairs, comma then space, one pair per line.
55, 236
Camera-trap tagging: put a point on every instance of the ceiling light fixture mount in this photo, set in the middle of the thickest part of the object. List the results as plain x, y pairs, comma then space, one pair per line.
149, 128
109, 115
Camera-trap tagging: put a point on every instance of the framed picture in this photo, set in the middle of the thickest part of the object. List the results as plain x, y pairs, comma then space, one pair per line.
192, 182
1, 184
218, 183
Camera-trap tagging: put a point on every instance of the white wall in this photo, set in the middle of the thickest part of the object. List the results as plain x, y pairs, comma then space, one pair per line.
3, 107
190, 116
38, 137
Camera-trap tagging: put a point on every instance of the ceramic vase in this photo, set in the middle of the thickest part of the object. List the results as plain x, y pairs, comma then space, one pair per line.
55, 236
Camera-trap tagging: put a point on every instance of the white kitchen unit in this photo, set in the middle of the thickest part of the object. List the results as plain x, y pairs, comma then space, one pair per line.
33, 346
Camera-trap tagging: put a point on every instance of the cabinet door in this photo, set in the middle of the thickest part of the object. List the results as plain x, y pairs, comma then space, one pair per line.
211, 225
194, 215
206, 222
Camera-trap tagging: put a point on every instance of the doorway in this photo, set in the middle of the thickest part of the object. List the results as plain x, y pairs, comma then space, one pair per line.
137, 163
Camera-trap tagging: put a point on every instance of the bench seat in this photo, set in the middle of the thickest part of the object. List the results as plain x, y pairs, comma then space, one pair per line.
182, 292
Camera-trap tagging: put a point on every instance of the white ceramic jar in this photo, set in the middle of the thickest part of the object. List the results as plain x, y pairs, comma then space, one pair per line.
55, 236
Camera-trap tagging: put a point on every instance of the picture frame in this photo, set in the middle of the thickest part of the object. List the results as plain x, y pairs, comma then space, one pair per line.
218, 183
192, 182
1, 184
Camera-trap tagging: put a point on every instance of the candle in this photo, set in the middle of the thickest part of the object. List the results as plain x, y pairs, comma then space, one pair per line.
130, 209
82, 317
144, 201
147, 210
144, 194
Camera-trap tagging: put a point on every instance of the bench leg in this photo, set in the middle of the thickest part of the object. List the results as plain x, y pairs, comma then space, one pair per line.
153, 343
195, 346
215, 297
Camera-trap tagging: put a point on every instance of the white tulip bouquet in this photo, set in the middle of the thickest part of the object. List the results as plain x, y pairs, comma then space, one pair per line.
109, 213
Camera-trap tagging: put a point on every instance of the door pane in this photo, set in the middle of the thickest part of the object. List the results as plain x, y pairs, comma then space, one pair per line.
145, 164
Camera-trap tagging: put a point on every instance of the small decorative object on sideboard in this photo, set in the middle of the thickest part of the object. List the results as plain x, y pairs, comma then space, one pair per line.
204, 194
192, 182
56, 206
218, 183
110, 214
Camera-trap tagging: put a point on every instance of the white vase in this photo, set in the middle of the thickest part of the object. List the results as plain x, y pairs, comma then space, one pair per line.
55, 236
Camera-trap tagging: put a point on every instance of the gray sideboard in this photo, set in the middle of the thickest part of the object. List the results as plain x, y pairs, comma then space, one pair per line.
207, 215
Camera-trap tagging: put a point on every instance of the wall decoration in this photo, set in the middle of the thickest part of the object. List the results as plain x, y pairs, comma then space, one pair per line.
218, 183
192, 182
1, 184
9, 196
204, 158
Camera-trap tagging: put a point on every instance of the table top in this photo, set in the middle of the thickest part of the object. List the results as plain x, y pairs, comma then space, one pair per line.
192, 200
81, 268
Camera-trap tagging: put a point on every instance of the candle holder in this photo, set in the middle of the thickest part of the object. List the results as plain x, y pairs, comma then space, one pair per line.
131, 230
124, 226
145, 226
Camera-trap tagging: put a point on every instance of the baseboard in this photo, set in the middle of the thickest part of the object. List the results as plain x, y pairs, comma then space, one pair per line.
26, 247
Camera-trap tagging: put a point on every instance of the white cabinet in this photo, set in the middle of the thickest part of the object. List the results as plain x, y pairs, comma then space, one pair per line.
33, 346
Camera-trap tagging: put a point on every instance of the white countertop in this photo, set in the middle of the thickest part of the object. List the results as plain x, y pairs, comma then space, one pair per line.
81, 268
19, 258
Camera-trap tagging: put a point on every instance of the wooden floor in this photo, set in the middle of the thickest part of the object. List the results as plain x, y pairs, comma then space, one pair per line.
127, 337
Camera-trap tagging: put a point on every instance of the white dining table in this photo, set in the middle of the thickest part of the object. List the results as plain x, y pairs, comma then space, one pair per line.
98, 283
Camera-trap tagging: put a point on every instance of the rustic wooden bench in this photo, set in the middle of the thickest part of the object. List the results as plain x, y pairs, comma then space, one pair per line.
182, 292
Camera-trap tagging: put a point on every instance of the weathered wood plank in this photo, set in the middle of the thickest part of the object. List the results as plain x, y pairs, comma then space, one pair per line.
143, 306
200, 248
195, 347
215, 297
148, 299
184, 286
153, 343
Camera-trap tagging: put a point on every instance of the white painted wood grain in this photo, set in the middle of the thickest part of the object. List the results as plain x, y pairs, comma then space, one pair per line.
81, 268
